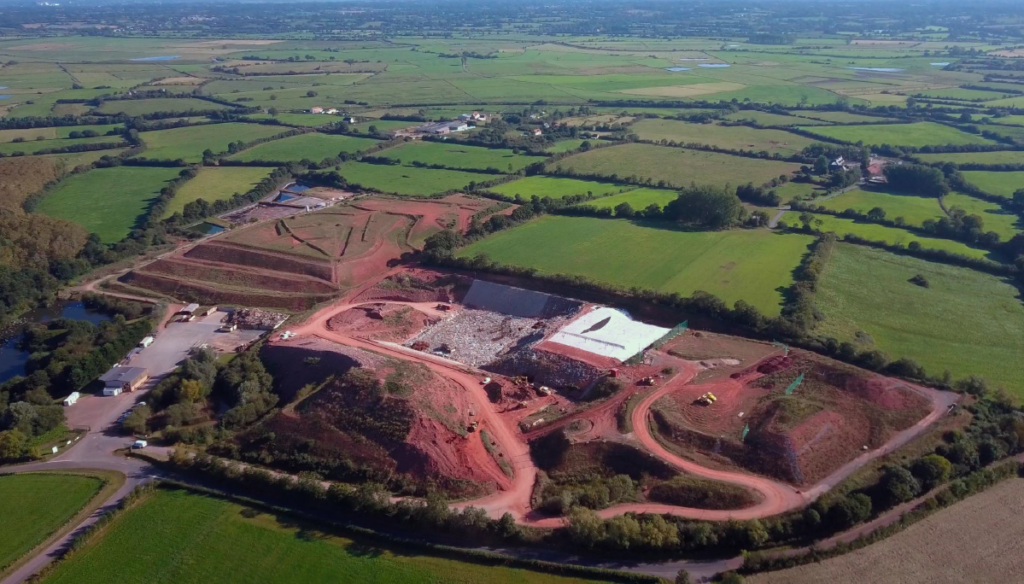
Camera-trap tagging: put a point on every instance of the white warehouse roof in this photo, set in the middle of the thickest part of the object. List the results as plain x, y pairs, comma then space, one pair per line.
609, 332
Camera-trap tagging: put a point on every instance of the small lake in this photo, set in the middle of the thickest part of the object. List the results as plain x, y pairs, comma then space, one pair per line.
678, 69
160, 58
208, 229
284, 197
297, 188
12, 359
932, 64
878, 69
714, 65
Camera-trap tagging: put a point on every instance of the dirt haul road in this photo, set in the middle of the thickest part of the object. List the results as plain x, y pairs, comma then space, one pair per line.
775, 497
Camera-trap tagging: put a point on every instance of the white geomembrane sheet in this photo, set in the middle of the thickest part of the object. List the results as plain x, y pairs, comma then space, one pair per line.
608, 332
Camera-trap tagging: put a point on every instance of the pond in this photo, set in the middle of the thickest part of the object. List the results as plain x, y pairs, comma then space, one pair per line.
678, 69
208, 229
878, 69
297, 188
160, 58
714, 65
284, 197
12, 359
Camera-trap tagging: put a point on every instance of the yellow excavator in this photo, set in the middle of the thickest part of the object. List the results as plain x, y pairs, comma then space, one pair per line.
707, 399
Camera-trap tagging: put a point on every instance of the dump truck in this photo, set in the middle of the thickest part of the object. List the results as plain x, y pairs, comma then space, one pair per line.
707, 399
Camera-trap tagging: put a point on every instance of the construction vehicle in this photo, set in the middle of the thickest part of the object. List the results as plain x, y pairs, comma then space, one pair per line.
544, 390
485, 381
521, 380
707, 399
648, 381
473, 426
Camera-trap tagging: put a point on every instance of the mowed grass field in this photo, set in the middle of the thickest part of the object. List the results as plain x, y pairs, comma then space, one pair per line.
995, 218
138, 107
676, 166
1002, 184
107, 201
966, 321
914, 210
980, 539
214, 183
29, 134
731, 137
407, 180
555, 187
997, 157
637, 198
35, 506
916, 134
188, 143
178, 536
892, 235
34, 146
313, 146
454, 155
750, 265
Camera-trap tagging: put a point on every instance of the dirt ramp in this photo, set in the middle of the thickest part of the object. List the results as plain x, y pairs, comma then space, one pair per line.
228, 253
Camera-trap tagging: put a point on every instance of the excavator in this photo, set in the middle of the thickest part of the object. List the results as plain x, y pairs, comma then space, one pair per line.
707, 399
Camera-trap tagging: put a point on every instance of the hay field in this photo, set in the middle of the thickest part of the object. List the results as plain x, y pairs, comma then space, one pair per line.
994, 217
214, 183
676, 166
891, 235
138, 107
750, 265
1002, 184
637, 198
36, 505
915, 210
997, 157
976, 540
109, 202
730, 137
188, 143
406, 180
453, 155
966, 322
178, 536
916, 134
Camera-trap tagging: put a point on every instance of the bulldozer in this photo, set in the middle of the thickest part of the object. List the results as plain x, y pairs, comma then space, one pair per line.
707, 399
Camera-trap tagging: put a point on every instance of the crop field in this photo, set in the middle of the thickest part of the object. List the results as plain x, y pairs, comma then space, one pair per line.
107, 201
313, 146
1002, 184
215, 183
36, 505
189, 143
637, 198
733, 265
177, 536
916, 134
892, 235
460, 156
730, 137
139, 107
914, 210
997, 157
555, 187
995, 218
966, 321
407, 180
677, 167
988, 524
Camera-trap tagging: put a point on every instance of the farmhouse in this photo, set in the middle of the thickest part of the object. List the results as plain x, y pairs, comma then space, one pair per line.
316, 110
120, 379
537, 132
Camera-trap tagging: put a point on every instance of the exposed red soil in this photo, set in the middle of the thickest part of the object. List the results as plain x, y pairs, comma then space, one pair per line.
233, 275
207, 294
231, 253
381, 321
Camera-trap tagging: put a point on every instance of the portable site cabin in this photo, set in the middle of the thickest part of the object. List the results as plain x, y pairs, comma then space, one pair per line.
190, 309
71, 399
146, 342
120, 379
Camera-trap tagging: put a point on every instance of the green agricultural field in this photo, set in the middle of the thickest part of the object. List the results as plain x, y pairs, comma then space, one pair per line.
35, 506
313, 146
914, 210
189, 143
637, 198
407, 180
837, 117
214, 183
555, 187
139, 107
891, 235
107, 201
34, 146
966, 322
1002, 184
59, 132
729, 137
300, 120
178, 536
995, 218
454, 155
750, 265
917, 134
564, 146
997, 157
677, 167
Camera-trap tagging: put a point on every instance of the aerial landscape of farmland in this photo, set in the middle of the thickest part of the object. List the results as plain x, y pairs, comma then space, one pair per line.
511, 292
